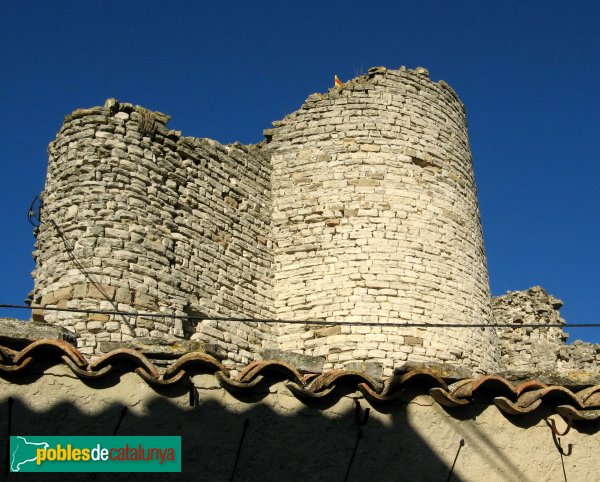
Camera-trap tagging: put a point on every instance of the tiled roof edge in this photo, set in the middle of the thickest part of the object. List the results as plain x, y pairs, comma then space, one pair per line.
523, 398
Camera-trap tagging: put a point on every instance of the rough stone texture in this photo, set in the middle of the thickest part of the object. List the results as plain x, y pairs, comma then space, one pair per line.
303, 363
287, 440
375, 218
443, 370
360, 206
138, 218
162, 348
541, 350
19, 331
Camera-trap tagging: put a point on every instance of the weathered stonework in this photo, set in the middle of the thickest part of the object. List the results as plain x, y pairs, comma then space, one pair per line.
138, 218
359, 207
540, 350
375, 218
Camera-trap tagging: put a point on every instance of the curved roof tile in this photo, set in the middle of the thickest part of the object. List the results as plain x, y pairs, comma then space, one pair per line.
523, 398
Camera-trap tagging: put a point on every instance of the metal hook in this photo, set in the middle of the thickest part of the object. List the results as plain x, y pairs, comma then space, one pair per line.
560, 449
239, 450
121, 416
361, 417
34, 215
555, 433
194, 398
552, 424
358, 437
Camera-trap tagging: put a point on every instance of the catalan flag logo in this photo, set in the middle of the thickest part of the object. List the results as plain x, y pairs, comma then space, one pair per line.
337, 82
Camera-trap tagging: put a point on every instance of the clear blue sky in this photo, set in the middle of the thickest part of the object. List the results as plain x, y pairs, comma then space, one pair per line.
528, 73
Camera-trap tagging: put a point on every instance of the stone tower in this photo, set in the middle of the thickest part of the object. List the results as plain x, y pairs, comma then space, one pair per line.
375, 218
359, 207
138, 218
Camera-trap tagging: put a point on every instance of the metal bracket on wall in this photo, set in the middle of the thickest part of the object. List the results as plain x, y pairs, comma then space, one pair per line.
121, 416
194, 396
34, 214
360, 416
461, 444
555, 434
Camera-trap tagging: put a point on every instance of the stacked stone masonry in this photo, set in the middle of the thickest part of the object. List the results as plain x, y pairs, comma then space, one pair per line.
136, 217
360, 206
375, 218
540, 350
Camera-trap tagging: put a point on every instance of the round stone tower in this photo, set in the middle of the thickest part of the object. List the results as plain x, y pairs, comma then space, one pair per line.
359, 207
136, 218
376, 219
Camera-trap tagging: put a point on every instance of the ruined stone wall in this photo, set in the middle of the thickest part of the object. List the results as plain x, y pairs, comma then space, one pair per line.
375, 218
529, 350
360, 207
136, 217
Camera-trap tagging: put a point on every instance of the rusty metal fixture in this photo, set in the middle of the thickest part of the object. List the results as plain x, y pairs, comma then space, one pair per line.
360, 416
555, 437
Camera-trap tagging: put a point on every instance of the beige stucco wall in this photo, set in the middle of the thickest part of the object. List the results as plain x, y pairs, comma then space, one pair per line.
288, 440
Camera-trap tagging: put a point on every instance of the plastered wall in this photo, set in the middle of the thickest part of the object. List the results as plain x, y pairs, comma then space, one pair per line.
288, 440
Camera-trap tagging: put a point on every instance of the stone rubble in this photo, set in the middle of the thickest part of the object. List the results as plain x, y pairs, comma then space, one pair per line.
540, 350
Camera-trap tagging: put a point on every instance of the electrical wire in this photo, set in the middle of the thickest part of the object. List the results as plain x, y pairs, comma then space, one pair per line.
34, 218
302, 322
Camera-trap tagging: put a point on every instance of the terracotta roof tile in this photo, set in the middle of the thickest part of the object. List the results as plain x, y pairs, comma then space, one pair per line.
523, 398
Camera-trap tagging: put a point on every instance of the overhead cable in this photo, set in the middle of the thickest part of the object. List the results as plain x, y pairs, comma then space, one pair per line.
202, 317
